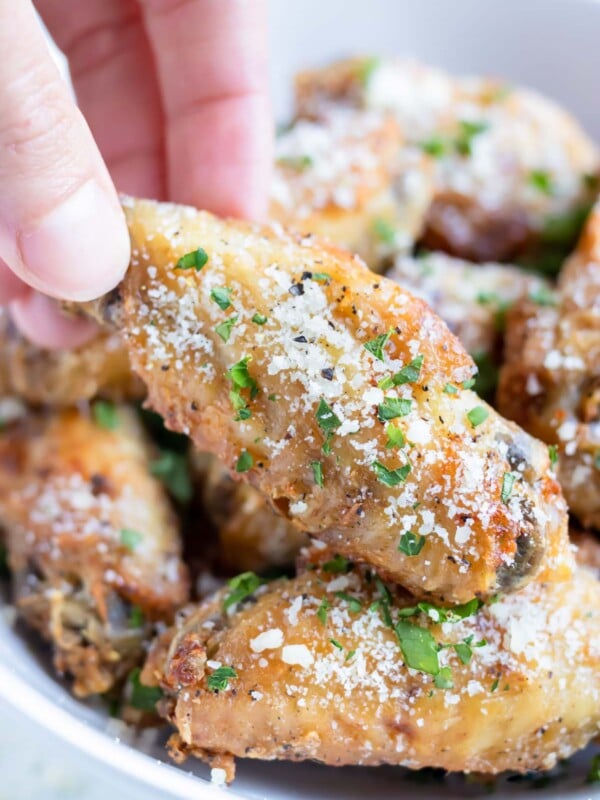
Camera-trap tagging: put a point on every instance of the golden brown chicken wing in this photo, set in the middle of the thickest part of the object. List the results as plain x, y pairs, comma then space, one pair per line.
550, 383
99, 368
511, 167
92, 541
346, 178
337, 667
338, 395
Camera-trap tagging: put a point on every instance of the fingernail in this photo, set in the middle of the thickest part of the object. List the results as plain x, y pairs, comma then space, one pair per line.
39, 319
78, 251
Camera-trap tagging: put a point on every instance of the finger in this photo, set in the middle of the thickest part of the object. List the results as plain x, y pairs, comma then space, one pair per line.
11, 287
211, 61
61, 227
114, 78
40, 320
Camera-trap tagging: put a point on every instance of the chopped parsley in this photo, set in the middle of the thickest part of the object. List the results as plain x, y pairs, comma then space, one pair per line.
395, 436
438, 614
172, 470
543, 296
354, 603
240, 377
223, 329
468, 131
469, 383
553, 454
477, 415
508, 481
241, 587
105, 415
376, 345
218, 681
384, 230
419, 648
450, 389
393, 407
435, 146
194, 260
244, 462
317, 469
130, 538
299, 163
542, 181
337, 565
322, 610
391, 477
136, 617
327, 420
408, 374
411, 543
494, 685
142, 697
336, 644
259, 319
443, 680
321, 277
350, 654
221, 295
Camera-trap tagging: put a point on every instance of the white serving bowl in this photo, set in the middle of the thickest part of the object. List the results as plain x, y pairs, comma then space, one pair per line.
552, 45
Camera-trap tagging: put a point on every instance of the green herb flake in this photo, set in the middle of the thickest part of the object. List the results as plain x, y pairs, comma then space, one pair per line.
508, 481
322, 610
328, 421
477, 415
494, 685
464, 652
220, 295
336, 644
419, 648
317, 470
443, 680
298, 163
543, 296
395, 436
218, 680
244, 462
259, 319
408, 374
241, 587
450, 389
130, 538
391, 477
172, 469
142, 697
377, 345
468, 131
194, 260
469, 383
350, 654
452, 614
542, 181
366, 69
321, 277
337, 565
411, 544
435, 146
553, 454
105, 415
354, 603
384, 231
223, 329
136, 618
394, 407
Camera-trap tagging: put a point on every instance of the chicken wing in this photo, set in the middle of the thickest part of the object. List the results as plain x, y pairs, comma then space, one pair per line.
99, 368
338, 395
511, 167
92, 542
345, 177
337, 667
550, 383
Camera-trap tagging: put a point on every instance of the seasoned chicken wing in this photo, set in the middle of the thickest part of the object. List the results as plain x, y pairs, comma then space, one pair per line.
338, 395
346, 177
472, 299
251, 535
337, 667
550, 382
92, 542
99, 368
511, 167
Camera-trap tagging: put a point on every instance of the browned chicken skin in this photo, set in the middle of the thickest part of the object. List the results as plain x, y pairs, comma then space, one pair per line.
379, 450
92, 541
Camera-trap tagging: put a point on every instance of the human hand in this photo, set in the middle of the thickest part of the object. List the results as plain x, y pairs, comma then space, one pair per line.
175, 95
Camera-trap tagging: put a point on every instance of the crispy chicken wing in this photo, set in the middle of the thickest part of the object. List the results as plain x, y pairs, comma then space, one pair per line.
99, 368
472, 299
92, 542
337, 667
338, 395
511, 167
550, 382
345, 177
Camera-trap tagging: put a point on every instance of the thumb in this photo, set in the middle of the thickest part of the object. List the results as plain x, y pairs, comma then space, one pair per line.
62, 230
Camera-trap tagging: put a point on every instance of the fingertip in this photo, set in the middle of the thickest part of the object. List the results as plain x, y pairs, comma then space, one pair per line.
40, 320
11, 286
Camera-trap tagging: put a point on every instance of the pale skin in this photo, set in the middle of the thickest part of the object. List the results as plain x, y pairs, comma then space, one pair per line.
172, 103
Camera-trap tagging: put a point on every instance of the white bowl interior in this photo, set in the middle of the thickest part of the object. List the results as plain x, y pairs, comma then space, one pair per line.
548, 44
